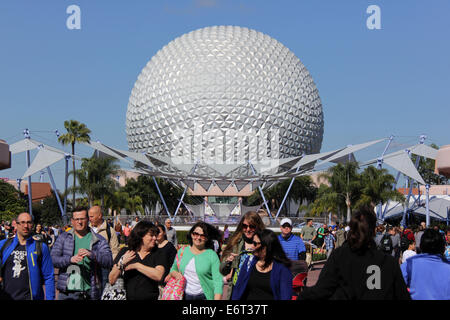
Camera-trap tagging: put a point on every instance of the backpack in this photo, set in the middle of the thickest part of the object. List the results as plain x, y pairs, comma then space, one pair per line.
386, 243
8, 243
108, 232
404, 242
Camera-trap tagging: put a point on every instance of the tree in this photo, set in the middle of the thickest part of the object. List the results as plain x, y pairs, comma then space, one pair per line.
11, 202
143, 187
47, 212
345, 181
96, 178
302, 189
426, 169
76, 132
377, 188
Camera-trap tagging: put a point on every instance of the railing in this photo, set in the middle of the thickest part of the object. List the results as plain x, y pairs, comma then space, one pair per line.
216, 221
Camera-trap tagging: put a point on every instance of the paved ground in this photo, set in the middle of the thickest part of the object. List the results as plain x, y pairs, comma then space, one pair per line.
314, 273
313, 276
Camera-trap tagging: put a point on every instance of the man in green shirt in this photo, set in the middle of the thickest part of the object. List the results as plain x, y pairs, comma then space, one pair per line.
80, 254
308, 234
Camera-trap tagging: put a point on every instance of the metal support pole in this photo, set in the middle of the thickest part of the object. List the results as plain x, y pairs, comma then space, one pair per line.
66, 181
30, 193
56, 191
427, 187
262, 195
184, 192
403, 223
380, 166
387, 203
287, 192
162, 198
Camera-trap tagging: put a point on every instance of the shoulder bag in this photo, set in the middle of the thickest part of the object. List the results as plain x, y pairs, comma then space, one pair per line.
174, 289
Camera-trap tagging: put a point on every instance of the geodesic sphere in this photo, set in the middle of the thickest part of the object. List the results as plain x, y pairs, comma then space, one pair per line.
225, 92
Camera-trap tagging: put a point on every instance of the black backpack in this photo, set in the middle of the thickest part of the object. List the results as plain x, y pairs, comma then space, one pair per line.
386, 243
404, 242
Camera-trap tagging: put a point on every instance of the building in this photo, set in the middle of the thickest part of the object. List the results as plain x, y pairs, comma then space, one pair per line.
40, 190
5, 155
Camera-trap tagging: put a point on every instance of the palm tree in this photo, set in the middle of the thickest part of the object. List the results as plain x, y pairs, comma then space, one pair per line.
302, 189
96, 178
344, 190
377, 187
76, 132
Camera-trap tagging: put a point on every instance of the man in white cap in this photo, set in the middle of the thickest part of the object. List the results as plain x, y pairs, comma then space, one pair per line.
292, 245
294, 248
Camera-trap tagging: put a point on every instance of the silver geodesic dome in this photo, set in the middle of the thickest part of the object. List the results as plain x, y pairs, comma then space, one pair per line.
224, 93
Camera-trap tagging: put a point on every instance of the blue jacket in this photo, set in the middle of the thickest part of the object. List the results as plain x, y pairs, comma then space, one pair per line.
38, 275
427, 276
63, 251
292, 246
280, 280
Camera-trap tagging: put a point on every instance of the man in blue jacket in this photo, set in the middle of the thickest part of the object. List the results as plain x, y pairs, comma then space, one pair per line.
80, 254
26, 264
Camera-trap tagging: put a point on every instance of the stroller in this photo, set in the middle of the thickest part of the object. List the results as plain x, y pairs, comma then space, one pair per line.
299, 271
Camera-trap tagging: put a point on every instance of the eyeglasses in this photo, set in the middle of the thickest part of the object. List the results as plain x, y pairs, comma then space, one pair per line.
196, 234
286, 226
246, 226
79, 219
25, 222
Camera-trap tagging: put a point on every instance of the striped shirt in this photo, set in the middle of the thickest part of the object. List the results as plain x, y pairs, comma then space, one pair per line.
329, 241
292, 246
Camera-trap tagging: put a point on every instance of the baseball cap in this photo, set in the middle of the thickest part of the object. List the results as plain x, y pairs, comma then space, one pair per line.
286, 220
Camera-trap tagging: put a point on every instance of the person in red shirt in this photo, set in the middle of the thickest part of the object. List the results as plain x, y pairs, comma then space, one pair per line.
126, 231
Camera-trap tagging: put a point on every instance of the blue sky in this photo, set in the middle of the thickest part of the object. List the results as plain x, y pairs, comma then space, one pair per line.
372, 83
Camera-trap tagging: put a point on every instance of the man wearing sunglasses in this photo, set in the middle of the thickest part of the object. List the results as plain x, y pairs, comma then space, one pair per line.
26, 265
292, 245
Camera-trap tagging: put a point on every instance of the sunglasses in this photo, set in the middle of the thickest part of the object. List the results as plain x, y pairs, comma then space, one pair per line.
256, 243
246, 226
196, 234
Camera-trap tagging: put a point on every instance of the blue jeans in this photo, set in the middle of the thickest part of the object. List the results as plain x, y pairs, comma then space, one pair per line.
188, 296
86, 295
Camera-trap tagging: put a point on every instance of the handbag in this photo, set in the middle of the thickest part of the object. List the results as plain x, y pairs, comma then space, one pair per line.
174, 289
115, 291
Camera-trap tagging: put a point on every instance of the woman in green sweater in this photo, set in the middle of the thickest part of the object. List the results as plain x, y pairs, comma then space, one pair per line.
199, 264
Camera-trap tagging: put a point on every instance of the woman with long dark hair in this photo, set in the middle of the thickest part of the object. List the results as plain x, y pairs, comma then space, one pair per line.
168, 250
141, 263
266, 274
239, 247
357, 270
199, 264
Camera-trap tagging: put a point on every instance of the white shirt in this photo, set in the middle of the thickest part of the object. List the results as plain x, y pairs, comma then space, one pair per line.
193, 286
408, 254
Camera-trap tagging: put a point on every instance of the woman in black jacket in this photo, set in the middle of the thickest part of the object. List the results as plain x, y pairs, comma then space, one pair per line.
357, 270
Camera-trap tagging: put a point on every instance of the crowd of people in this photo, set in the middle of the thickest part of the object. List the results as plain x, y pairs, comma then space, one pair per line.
83, 260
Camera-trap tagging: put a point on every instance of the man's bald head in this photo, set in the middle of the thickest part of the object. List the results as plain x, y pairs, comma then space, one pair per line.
95, 216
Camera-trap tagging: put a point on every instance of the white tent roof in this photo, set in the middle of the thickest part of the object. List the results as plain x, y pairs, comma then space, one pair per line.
43, 159
438, 207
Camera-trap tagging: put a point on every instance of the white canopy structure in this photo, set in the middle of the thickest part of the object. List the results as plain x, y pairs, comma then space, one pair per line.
439, 208
259, 175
